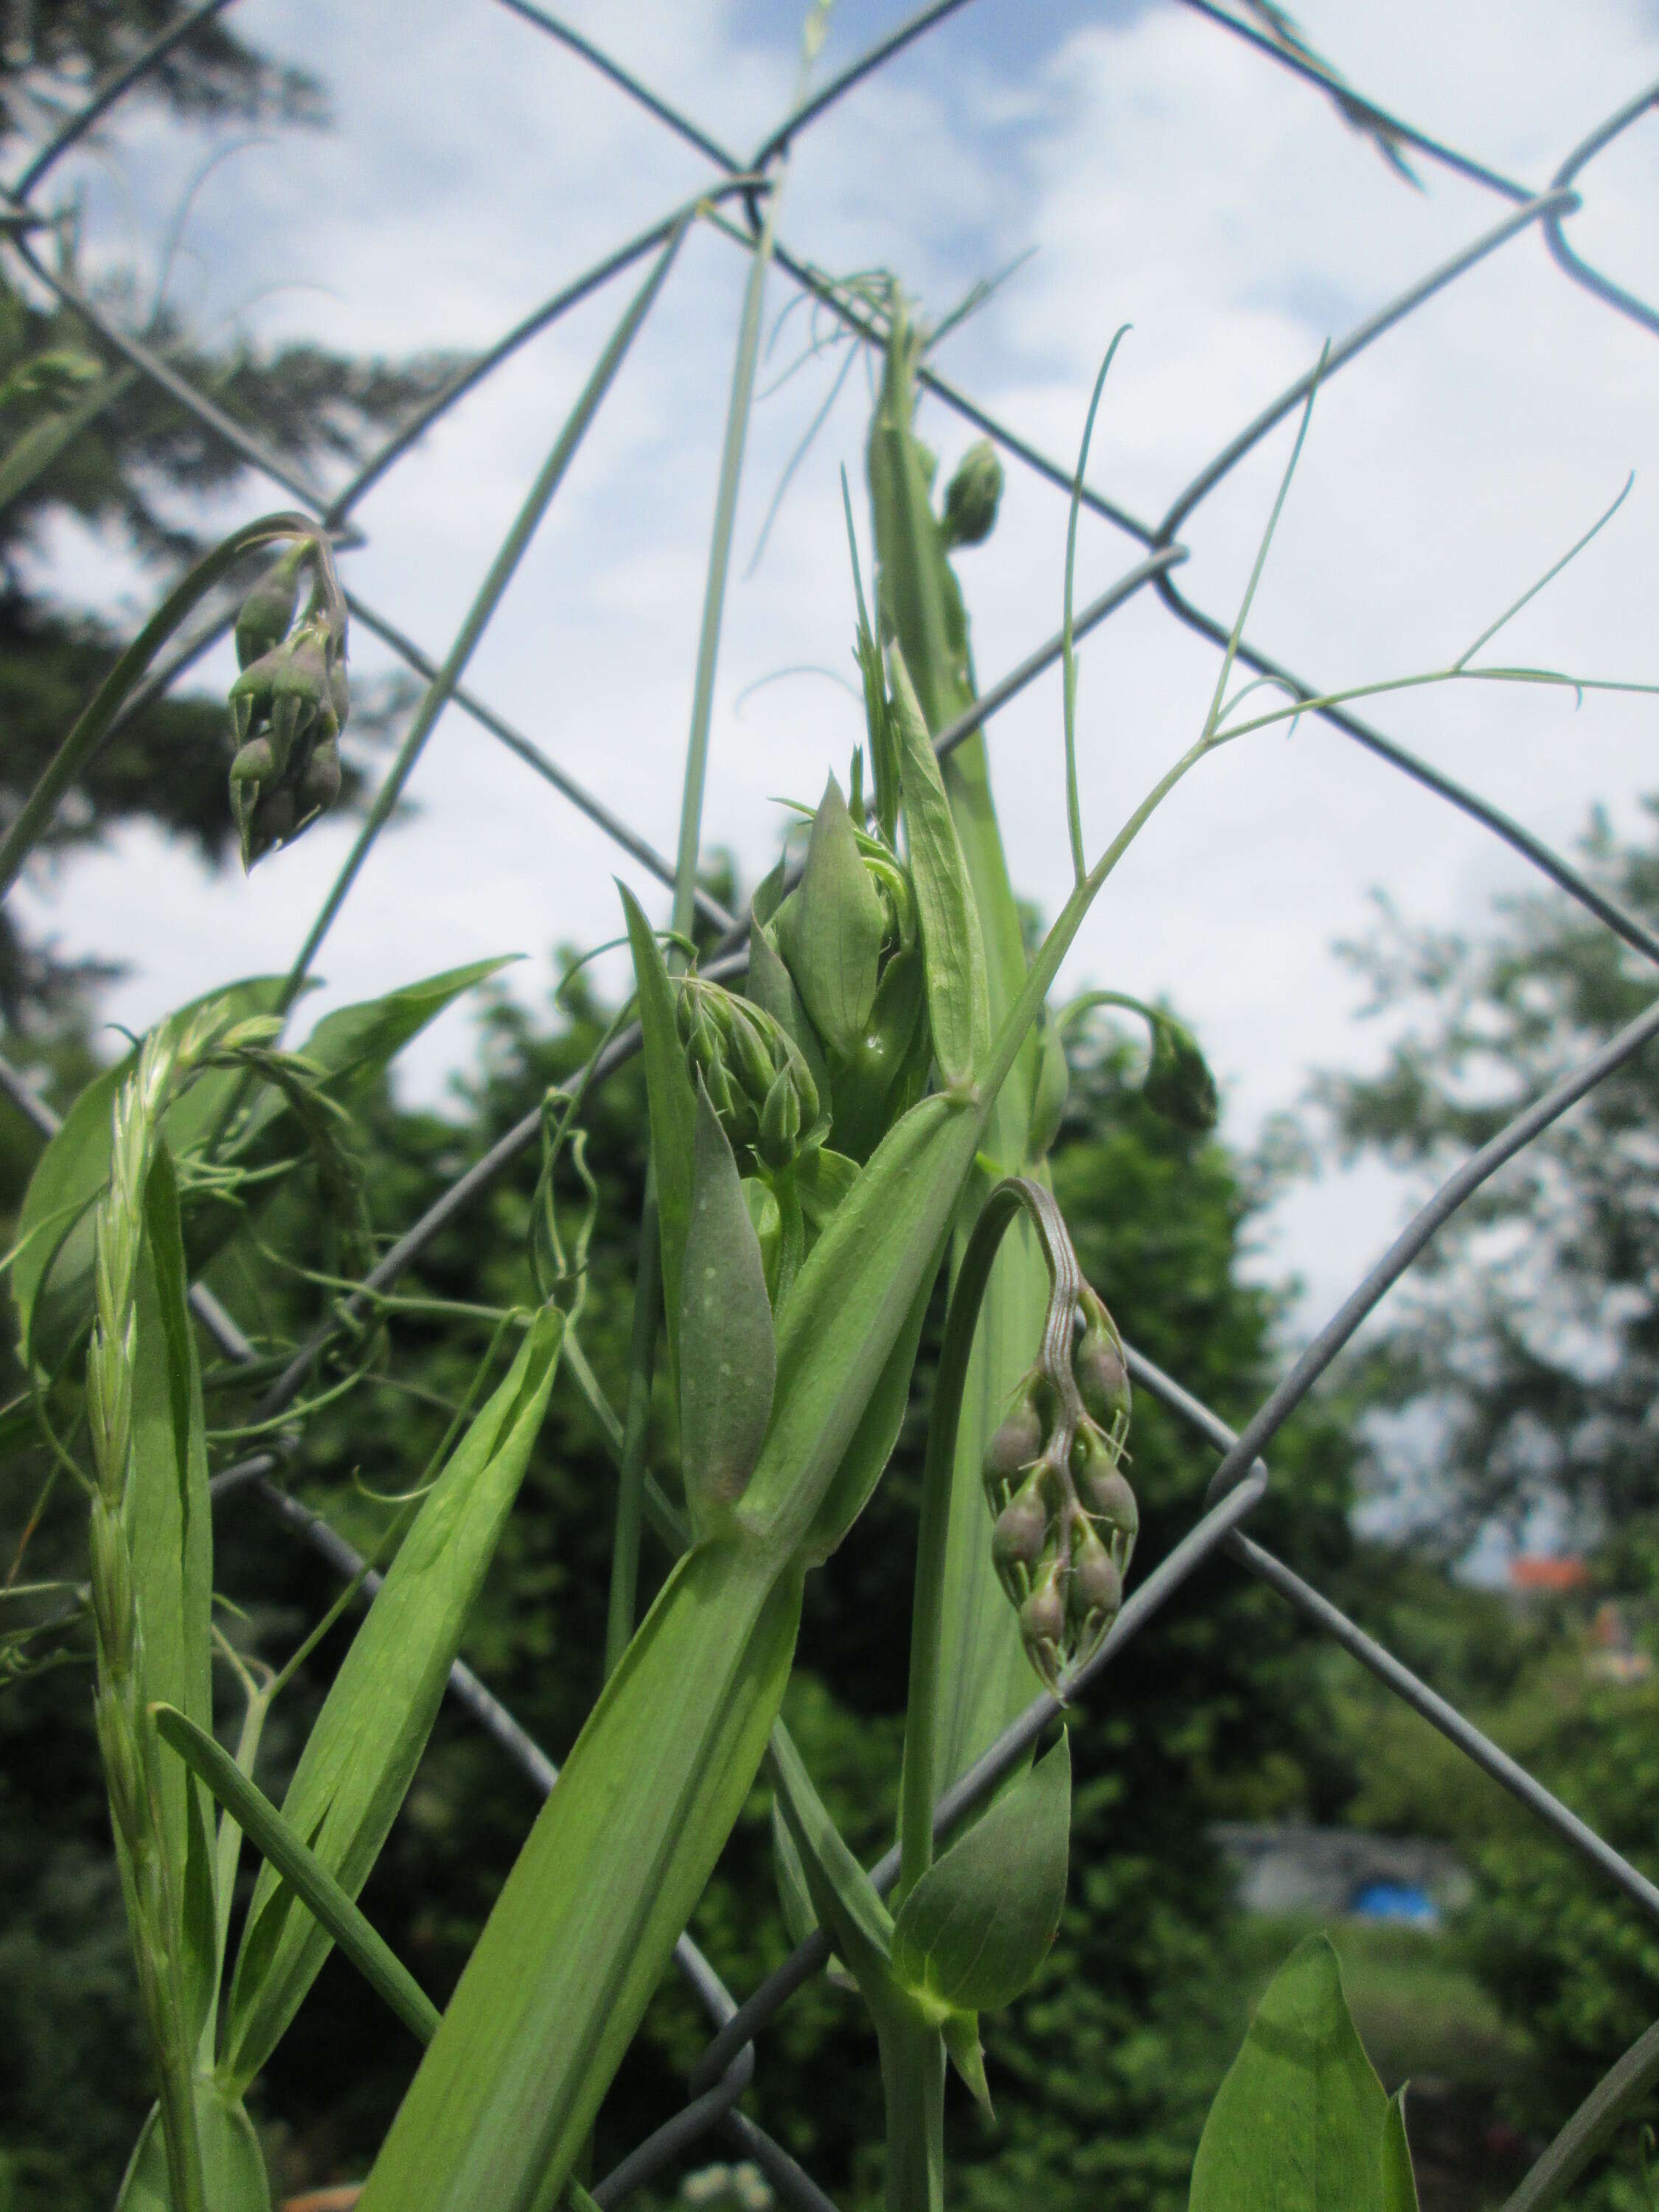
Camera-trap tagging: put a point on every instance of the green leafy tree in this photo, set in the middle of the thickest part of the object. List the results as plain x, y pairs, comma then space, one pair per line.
1529, 1350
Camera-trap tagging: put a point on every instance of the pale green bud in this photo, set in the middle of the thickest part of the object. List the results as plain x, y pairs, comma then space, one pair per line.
972, 497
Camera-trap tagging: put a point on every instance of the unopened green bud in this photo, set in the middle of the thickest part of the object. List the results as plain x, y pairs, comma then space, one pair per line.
780, 1125
319, 783
1178, 1083
1043, 1627
1102, 1379
288, 707
1012, 1448
972, 498
1105, 1494
267, 613
1019, 1539
1094, 1592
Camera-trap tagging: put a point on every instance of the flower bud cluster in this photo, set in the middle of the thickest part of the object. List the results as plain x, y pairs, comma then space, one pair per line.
1066, 1518
850, 936
757, 1081
972, 497
288, 705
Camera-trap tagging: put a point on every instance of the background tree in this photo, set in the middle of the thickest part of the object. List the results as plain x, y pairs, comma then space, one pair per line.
85, 439
1525, 1367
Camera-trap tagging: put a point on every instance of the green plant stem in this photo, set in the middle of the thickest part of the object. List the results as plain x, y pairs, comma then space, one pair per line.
443, 687
913, 2084
720, 562
81, 744
636, 1430
1068, 658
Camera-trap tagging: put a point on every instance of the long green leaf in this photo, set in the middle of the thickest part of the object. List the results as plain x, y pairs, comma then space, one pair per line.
958, 1000
728, 1363
170, 1533
1301, 2122
843, 1900
304, 1872
355, 1044
672, 1105
361, 1755
579, 1936
1399, 2181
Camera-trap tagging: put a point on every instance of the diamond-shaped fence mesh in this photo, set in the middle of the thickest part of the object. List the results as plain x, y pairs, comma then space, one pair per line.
733, 200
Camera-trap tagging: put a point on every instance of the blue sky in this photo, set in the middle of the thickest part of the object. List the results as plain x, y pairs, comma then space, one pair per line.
1166, 176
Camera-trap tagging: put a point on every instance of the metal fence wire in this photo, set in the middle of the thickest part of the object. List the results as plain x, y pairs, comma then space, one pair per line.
733, 201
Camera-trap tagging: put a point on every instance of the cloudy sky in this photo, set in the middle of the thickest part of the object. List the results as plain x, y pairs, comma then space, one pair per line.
1158, 172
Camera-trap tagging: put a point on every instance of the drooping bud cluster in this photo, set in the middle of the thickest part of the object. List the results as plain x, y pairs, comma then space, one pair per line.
1065, 1517
757, 1080
289, 704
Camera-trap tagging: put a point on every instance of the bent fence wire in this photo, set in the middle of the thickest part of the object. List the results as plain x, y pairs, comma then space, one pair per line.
728, 2061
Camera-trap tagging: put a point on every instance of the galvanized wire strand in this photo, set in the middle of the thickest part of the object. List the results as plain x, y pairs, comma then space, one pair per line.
257, 454
545, 20
1516, 1134
995, 1764
1558, 199
531, 326
105, 95
867, 64
1507, 1771
1561, 873
1574, 264
1382, 1663
619, 831
1365, 111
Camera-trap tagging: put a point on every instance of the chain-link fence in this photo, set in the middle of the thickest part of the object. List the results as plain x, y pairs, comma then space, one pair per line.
733, 200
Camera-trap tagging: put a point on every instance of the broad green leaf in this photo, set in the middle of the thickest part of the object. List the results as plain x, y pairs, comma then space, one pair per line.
830, 928
1299, 2124
233, 2168
673, 1109
361, 1755
843, 1899
169, 1527
958, 1002
976, 1929
355, 1044
581, 1933
302, 1870
728, 1363
51, 1278
1399, 2181
823, 1179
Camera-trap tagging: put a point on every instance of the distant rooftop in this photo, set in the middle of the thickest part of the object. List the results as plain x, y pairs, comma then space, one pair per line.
1536, 1571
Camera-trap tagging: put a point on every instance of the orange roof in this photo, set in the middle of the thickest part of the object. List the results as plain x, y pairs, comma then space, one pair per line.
1534, 1571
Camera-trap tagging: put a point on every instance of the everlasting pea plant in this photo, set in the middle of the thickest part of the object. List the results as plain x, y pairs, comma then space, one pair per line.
870, 1102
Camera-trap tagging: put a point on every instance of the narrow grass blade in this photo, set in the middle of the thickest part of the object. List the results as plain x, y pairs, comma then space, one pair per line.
361, 1755
32, 455
958, 993
170, 1531
673, 1109
579, 1936
728, 1363
301, 1870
